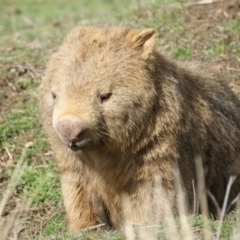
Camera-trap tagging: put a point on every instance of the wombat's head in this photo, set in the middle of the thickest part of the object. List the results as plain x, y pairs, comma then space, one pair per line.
98, 88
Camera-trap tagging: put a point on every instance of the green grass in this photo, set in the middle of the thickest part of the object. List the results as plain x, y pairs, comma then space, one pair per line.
30, 31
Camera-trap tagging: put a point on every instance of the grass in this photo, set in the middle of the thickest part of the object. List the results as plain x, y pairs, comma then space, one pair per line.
30, 31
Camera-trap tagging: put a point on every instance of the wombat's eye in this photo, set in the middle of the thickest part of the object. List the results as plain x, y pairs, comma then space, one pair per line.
105, 97
54, 95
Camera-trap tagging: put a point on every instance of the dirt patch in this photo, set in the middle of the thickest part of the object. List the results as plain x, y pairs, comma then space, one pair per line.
213, 23
208, 22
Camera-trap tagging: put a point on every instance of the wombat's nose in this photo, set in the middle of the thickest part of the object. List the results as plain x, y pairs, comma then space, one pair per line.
70, 129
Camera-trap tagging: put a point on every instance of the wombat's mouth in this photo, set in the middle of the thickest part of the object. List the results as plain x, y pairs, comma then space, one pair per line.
78, 145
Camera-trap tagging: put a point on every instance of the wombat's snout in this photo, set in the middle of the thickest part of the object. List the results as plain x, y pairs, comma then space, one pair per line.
72, 132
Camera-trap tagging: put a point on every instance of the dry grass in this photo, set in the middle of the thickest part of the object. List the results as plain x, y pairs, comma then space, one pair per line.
12, 224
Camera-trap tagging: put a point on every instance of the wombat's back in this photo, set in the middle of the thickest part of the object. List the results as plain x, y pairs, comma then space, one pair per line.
209, 126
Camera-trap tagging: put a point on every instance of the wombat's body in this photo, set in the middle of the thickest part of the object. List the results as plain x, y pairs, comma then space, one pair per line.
122, 116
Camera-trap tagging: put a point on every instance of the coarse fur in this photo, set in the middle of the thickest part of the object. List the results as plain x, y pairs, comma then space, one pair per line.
159, 114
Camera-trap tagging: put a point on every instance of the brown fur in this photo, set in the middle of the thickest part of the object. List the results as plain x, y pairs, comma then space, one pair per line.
161, 114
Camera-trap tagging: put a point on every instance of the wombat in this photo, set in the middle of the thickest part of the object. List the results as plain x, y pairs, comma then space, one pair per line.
122, 117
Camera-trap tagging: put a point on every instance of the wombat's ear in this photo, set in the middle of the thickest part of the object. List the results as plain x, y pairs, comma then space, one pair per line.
143, 40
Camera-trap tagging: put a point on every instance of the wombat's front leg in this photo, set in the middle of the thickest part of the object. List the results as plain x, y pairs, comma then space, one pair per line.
150, 202
79, 201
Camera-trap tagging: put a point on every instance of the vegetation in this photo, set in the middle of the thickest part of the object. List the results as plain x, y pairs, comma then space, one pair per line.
30, 199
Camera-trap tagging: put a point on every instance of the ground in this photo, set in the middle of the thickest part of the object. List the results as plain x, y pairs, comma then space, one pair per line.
30, 31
